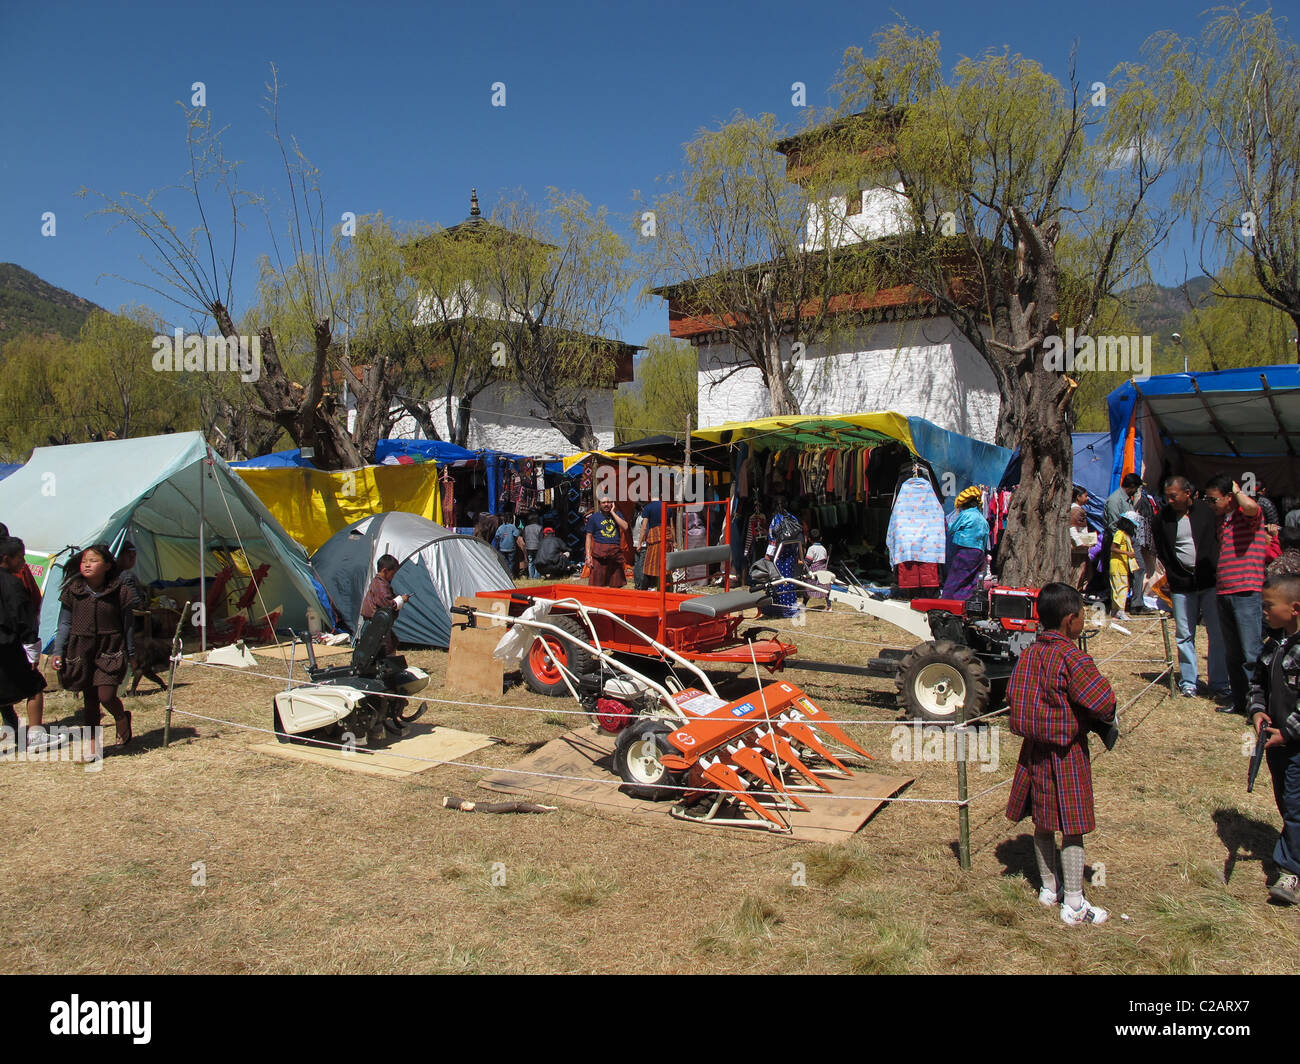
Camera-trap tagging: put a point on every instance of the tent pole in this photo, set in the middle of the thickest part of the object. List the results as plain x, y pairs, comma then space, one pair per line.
203, 591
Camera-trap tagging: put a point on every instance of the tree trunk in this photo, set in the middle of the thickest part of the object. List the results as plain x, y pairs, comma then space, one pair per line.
1037, 532
778, 383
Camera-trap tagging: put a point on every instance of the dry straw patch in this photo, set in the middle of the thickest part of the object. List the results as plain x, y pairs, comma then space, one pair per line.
310, 869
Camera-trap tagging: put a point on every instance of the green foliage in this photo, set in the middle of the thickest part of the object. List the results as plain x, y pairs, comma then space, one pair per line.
101, 386
664, 394
736, 245
1229, 106
1238, 327
29, 305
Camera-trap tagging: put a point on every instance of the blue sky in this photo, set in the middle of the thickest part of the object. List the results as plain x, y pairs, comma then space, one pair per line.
392, 101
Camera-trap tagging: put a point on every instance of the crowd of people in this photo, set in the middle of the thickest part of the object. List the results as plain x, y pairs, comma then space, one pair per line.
1207, 554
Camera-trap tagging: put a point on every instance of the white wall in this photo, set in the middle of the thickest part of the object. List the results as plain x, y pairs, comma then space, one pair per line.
920, 368
884, 213
504, 419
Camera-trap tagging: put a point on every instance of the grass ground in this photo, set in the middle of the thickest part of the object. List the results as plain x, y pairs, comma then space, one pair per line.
310, 869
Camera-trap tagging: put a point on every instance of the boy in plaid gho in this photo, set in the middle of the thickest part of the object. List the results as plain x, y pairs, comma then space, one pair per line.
1057, 696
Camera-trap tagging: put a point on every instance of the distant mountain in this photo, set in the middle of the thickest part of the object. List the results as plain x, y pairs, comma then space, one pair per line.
1160, 309
30, 305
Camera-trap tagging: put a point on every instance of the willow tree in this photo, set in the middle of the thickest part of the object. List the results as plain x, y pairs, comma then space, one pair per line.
1231, 103
558, 278
1028, 202
453, 270
736, 242
191, 253
101, 386
664, 399
1238, 327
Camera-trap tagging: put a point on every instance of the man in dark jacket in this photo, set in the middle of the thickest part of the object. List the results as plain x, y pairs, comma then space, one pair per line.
1187, 543
552, 559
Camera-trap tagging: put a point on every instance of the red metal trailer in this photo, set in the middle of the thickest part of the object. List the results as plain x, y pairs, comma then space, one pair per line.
701, 628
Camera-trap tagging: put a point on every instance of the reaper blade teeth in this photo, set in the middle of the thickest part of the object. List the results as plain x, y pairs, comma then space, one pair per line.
724, 777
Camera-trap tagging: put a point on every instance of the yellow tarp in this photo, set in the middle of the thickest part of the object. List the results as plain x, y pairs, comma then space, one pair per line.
312, 504
841, 429
608, 456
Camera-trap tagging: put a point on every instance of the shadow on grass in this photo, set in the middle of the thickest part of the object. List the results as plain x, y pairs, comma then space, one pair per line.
1245, 837
1017, 857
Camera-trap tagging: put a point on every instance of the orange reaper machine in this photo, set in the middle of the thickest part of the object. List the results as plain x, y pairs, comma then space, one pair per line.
722, 759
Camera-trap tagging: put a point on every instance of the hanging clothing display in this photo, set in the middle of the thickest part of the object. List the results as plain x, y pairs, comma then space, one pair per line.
916, 526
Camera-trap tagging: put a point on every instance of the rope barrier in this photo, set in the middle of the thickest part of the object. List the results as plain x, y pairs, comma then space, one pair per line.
608, 781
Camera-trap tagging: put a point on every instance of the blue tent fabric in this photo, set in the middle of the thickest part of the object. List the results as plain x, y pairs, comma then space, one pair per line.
1092, 471
970, 461
429, 450
435, 566
1239, 417
275, 460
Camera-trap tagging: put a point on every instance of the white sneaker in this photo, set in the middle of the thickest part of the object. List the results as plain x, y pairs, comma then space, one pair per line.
1047, 897
1088, 914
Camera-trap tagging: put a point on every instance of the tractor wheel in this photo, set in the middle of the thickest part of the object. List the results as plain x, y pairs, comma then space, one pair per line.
938, 677
540, 672
638, 754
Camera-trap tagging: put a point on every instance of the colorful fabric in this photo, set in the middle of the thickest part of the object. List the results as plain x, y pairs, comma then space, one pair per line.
968, 528
964, 570
1242, 541
916, 526
1054, 693
915, 576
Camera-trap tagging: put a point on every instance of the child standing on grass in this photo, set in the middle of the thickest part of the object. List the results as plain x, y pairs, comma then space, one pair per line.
379, 596
1056, 694
1123, 562
1275, 713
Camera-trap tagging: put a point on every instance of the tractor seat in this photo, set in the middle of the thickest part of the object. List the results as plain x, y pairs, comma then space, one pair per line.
727, 602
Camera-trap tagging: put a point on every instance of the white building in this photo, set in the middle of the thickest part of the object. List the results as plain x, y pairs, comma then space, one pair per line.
897, 356
504, 417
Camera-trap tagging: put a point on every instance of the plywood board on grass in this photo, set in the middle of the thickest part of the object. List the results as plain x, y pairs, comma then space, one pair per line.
586, 755
425, 748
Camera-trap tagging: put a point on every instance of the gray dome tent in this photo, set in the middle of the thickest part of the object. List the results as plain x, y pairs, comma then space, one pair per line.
435, 565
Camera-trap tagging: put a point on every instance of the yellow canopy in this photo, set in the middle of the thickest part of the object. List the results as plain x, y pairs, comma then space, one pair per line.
609, 456
814, 431
313, 504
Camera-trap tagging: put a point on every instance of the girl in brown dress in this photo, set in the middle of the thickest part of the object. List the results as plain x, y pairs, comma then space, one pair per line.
90, 651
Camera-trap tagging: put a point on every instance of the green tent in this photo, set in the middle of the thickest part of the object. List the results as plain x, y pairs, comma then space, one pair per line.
170, 495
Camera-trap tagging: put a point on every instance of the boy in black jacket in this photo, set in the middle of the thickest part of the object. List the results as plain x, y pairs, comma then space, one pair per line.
1275, 713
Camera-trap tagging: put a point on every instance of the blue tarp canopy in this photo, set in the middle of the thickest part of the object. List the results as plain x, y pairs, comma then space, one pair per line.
1232, 421
970, 461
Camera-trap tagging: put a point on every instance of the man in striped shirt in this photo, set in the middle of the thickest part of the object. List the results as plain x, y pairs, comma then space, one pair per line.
1239, 581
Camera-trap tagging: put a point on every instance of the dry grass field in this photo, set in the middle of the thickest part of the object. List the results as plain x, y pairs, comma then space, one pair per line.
312, 869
